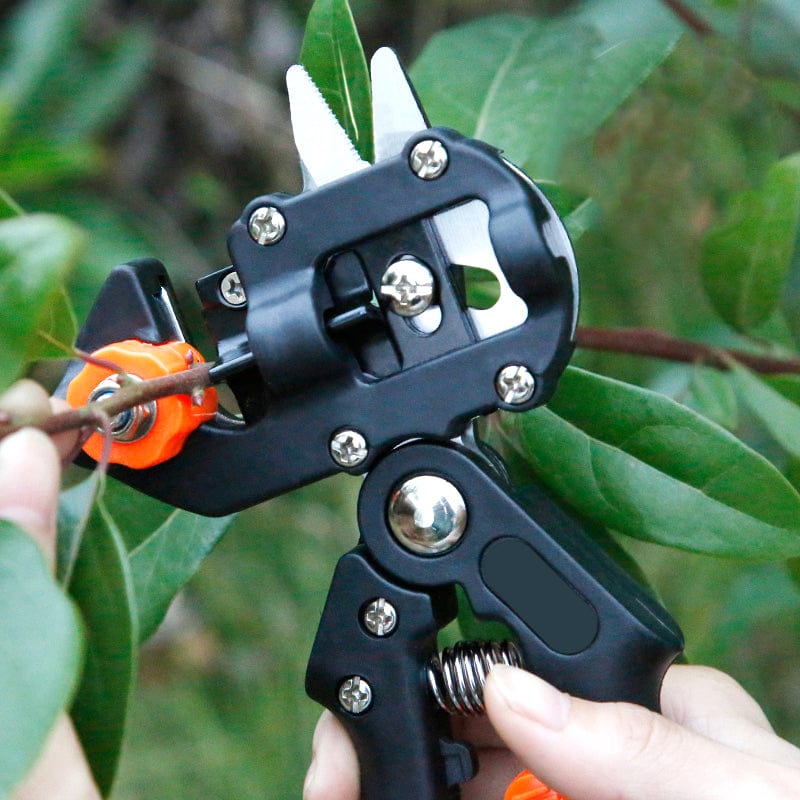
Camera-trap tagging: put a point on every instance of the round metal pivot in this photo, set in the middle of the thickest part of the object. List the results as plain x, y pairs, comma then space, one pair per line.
231, 289
428, 159
380, 617
348, 448
267, 225
409, 285
427, 515
515, 384
355, 695
130, 425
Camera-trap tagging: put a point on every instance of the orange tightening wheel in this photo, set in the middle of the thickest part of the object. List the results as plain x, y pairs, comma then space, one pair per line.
154, 431
526, 786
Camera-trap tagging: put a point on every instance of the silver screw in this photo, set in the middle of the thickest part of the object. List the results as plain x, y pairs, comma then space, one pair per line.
428, 159
380, 617
231, 289
355, 695
348, 448
427, 514
409, 285
134, 423
267, 225
515, 384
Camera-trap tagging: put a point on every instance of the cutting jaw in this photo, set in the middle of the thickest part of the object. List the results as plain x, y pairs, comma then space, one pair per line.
327, 154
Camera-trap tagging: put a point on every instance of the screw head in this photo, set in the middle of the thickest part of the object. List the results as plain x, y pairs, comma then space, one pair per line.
428, 159
379, 617
427, 515
231, 289
355, 695
515, 384
267, 225
349, 448
409, 285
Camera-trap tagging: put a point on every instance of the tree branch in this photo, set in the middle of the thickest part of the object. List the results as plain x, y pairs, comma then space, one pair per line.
688, 17
655, 344
190, 381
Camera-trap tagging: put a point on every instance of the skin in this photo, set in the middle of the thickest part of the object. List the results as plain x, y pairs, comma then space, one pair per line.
713, 741
30, 477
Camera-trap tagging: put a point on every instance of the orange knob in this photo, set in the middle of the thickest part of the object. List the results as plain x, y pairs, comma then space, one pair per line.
526, 786
151, 432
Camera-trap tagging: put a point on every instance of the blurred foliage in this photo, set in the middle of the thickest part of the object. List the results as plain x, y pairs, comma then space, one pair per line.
150, 124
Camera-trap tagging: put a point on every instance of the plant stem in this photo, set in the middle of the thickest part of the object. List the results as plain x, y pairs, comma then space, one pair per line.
131, 394
630, 341
689, 18
655, 344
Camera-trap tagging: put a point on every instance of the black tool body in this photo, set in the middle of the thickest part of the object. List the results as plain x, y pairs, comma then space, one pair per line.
315, 350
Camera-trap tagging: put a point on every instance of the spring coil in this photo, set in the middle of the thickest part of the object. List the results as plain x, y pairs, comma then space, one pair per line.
457, 675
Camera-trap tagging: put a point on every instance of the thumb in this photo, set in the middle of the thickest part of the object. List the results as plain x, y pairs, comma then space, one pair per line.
604, 751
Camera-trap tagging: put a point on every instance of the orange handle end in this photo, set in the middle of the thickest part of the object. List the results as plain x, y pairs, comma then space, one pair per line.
526, 786
152, 432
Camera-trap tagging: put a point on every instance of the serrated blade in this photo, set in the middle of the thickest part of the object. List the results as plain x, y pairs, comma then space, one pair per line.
396, 111
325, 150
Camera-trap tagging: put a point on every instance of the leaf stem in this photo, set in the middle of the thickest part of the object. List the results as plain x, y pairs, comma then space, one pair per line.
656, 344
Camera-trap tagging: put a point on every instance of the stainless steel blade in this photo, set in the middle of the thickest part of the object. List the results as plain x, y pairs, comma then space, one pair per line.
396, 112
326, 152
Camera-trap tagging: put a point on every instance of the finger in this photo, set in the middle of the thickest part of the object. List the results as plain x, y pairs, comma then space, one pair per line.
28, 399
604, 751
62, 772
30, 474
714, 705
333, 774
67, 442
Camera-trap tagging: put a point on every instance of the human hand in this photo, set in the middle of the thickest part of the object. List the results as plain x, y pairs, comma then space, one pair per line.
30, 476
713, 742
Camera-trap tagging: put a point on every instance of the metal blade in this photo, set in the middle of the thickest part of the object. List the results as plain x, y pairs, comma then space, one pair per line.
326, 152
396, 111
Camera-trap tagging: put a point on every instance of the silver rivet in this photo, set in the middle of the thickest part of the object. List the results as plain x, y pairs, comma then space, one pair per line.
409, 285
129, 425
348, 448
380, 617
231, 289
355, 695
267, 225
428, 159
427, 514
515, 384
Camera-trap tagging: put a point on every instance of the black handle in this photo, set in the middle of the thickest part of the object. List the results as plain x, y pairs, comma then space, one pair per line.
582, 623
401, 739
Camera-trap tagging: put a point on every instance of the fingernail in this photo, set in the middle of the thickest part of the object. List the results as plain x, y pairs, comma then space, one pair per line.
531, 697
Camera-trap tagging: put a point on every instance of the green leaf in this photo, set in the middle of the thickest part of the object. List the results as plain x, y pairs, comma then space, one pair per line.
41, 655
8, 206
747, 257
74, 511
779, 415
37, 252
712, 394
333, 55
582, 218
41, 33
535, 85
103, 588
105, 89
164, 562
636, 462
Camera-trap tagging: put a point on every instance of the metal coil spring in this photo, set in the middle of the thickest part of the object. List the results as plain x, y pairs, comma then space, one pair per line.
457, 675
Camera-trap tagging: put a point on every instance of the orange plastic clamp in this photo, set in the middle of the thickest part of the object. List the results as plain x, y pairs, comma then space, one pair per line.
153, 437
527, 786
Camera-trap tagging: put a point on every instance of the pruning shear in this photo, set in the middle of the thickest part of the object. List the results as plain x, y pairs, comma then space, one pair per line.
345, 330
